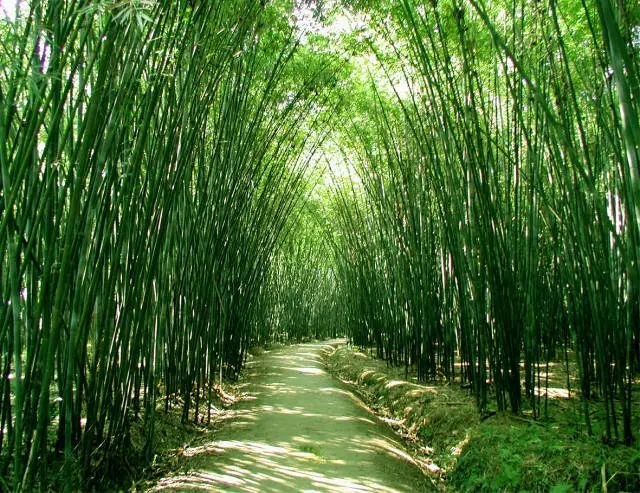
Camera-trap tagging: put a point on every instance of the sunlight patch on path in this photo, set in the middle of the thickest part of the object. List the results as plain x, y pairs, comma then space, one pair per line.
299, 431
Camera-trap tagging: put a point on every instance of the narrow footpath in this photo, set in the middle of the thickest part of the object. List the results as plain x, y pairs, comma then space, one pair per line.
300, 431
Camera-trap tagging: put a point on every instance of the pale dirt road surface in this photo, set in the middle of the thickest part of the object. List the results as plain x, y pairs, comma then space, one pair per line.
299, 431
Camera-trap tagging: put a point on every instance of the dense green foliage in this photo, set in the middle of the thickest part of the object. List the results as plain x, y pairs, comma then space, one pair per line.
151, 155
298, 299
497, 221
454, 183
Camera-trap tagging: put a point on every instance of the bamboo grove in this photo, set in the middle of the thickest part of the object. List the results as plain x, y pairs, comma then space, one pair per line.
496, 223
298, 299
162, 208
151, 154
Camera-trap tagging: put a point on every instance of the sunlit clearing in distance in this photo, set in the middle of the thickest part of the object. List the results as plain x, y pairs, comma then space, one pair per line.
307, 22
343, 23
337, 167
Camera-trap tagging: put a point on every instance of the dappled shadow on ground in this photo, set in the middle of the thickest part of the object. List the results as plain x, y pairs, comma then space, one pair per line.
299, 431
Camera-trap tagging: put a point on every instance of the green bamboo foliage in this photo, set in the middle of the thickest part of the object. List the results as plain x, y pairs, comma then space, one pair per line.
149, 161
497, 222
298, 299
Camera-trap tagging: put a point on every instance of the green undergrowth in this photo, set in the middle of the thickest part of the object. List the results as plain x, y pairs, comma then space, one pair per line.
172, 438
502, 452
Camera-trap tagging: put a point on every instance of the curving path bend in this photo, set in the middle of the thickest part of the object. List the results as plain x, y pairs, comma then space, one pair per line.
300, 431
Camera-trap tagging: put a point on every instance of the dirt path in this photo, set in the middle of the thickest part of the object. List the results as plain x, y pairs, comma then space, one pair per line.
302, 431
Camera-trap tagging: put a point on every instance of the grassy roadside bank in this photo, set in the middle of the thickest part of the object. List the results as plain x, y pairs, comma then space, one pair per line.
173, 437
501, 452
